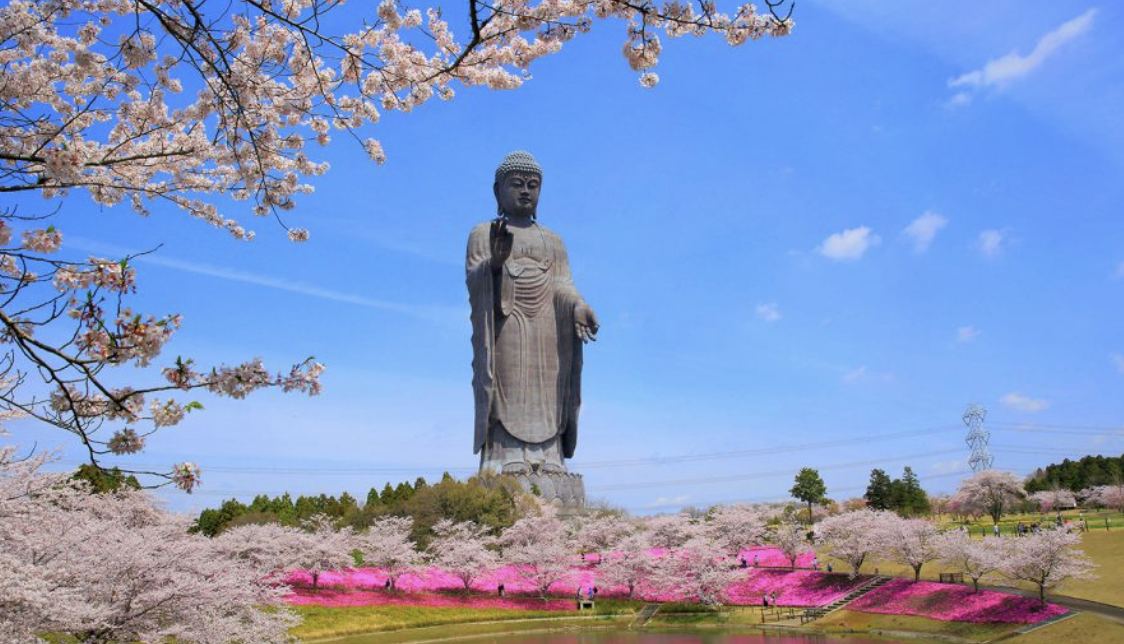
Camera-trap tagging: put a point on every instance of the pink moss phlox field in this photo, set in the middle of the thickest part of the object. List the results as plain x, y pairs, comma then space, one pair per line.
953, 603
793, 587
770, 557
338, 598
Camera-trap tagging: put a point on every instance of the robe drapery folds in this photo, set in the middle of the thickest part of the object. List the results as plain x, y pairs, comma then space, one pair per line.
527, 362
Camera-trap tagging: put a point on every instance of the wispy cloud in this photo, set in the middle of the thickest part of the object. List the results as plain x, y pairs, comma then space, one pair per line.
967, 333
669, 501
923, 230
992, 242
431, 313
854, 375
864, 374
999, 72
1118, 360
1119, 274
770, 311
1019, 402
948, 467
851, 244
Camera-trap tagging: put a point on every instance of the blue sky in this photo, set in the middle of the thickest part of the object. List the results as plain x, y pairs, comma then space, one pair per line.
851, 232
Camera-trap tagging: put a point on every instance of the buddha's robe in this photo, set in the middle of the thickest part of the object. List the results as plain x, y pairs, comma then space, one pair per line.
527, 359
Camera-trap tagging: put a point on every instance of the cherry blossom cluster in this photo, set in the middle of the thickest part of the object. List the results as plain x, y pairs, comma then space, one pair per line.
174, 101
43, 291
116, 567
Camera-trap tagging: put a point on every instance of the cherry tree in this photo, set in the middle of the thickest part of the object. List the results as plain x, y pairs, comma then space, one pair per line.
791, 538
736, 527
1108, 496
913, 543
463, 550
387, 545
993, 491
697, 570
670, 531
115, 567
268, 548
601, 532
325, 548
1045, 558
853, 536
539, 549
1055, 499
976, 559
631, 564
158, 102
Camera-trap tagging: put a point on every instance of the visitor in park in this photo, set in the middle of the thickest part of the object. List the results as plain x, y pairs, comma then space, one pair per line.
387, 584
765, 600
815, 563
829, 568
995, 528
500, 590
754, 561
773, 598
742, 563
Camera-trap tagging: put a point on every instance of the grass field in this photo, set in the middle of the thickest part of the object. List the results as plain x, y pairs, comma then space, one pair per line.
845, 620
1081, 629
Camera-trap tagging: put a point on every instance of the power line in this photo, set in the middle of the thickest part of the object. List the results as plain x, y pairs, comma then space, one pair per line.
758, 475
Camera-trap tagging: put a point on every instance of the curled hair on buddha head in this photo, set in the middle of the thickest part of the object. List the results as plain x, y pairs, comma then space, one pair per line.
518, 161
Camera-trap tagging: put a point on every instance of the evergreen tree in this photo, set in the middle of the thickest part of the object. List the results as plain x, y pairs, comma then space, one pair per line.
809, 488
878, 492
373, 499
912, 499
387, 496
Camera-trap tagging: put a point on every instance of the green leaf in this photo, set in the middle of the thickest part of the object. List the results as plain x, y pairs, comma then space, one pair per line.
193, 405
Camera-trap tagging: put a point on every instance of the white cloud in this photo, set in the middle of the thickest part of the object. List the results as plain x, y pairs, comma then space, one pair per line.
1118, 360
967, 333
769, 311
854, 375
923, 229
432, 313
959, 99
1119, 274
1019, 402
948, 467
850, 244
669, 501
999, 72
990, 242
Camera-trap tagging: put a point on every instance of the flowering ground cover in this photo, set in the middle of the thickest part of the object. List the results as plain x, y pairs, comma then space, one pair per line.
339, 598
435, 587
770, 557
948, 602
793, 587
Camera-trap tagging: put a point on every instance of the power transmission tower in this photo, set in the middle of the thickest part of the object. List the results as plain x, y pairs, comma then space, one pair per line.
978, 437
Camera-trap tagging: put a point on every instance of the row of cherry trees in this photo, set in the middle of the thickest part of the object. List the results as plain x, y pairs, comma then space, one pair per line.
1044, 558
995, 493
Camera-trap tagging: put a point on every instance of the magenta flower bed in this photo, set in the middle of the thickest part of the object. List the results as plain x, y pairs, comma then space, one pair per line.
793, 587
953, 603
770, 557
337, 598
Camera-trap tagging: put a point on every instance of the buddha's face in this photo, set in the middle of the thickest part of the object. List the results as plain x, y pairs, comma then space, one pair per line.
518, 194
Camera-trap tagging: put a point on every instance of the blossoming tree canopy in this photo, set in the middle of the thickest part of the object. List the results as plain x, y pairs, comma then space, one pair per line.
463, 549
116, 567
992, 491
387, 544
1045, 558
162, 101
852, 536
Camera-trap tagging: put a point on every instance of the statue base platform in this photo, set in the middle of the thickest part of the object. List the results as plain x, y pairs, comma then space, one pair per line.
560, 488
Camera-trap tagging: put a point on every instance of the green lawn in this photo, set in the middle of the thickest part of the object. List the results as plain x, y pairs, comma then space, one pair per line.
1081, 629
845, 621
324, 621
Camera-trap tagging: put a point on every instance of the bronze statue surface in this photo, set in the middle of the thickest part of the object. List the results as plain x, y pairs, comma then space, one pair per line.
529, 323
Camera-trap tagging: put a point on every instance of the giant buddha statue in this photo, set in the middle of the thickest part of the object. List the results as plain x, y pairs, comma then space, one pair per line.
529, 323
